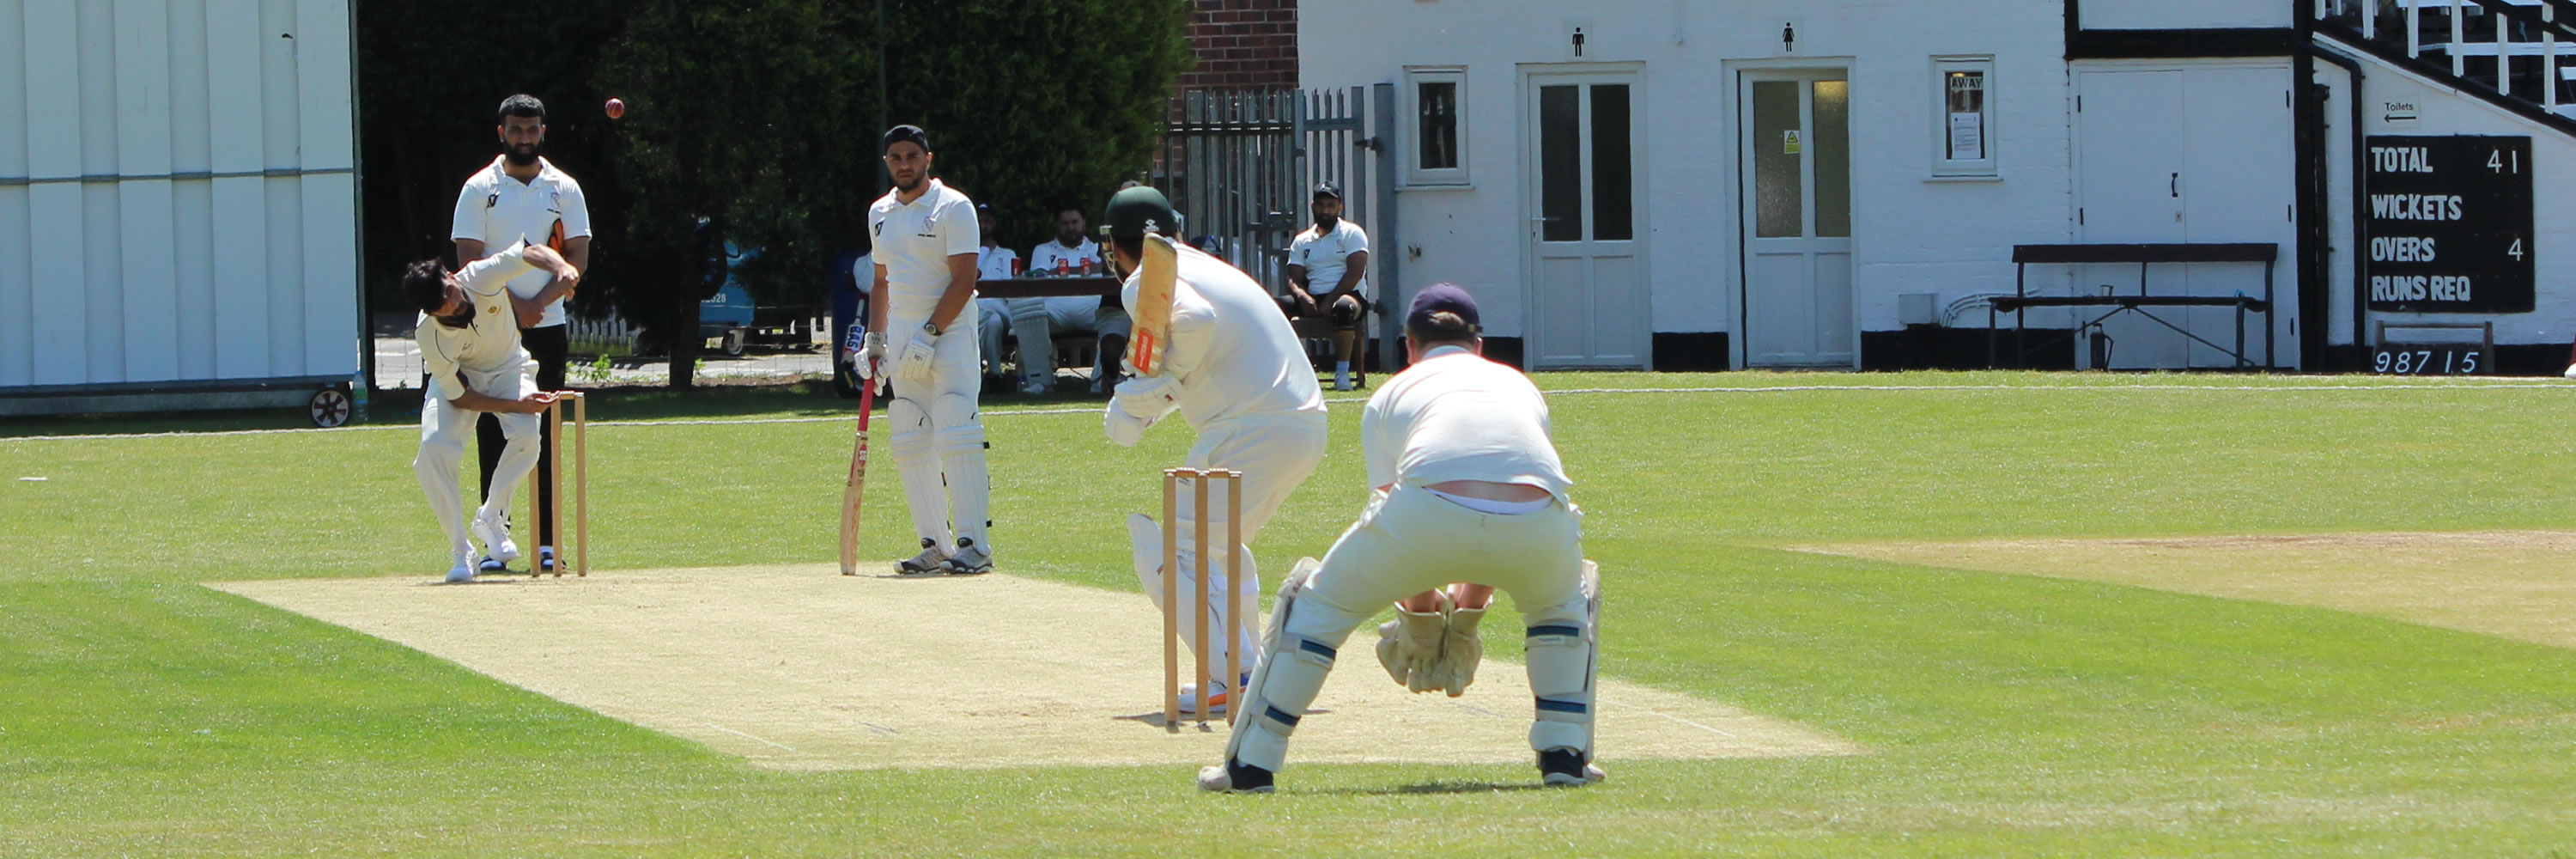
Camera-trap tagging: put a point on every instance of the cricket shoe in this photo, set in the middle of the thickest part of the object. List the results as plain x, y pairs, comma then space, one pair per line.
930, 561
1564, 767
970, 559
494, 528
1216, 702
491, 564
545, 559
463, 571
1036, 387
1235, 777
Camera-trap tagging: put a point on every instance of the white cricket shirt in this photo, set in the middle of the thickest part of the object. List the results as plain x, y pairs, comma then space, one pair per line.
913, 241
1456, 416
1044, 257
992, 262
1327, 255
498, 210
473, 357
1232, 353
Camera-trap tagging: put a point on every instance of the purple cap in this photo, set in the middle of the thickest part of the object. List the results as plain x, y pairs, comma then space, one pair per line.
1438, 297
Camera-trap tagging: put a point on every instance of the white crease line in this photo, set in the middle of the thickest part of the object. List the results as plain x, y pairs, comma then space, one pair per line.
1653, 711
751, 738
1772, 389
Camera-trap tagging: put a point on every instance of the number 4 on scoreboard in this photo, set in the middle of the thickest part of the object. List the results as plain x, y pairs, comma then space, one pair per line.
2496, 161
2516, 250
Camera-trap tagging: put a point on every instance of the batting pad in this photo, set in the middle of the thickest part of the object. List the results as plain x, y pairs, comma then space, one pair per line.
801, 668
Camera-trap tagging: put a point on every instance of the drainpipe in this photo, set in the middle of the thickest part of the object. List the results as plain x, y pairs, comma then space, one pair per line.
2360, 200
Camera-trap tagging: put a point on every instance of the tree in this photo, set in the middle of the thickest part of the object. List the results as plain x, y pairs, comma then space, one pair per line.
755, 115
1048, 104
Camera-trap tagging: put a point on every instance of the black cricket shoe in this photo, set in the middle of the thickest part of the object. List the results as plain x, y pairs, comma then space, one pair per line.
1234, 776
1564, 767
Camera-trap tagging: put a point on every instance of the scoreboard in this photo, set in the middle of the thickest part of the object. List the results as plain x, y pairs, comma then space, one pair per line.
2448, 226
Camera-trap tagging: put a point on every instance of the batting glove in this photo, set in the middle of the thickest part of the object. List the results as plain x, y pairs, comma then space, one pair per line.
917, 356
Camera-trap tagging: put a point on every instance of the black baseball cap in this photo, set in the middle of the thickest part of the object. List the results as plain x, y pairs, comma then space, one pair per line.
1328, 189
1133, 212
1438, 297
901, 133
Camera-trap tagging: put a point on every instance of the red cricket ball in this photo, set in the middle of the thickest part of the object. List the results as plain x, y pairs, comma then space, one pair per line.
616, 108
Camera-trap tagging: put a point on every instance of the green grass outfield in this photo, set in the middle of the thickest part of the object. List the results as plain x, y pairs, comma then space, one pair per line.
143, 715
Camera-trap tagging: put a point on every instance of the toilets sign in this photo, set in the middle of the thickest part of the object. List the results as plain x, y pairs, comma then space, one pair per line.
2449, 224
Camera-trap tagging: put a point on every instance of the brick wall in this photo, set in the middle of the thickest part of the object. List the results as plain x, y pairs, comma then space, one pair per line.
1243, 45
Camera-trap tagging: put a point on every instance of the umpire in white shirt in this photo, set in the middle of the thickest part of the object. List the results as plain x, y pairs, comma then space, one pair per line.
1465, 486
520, 197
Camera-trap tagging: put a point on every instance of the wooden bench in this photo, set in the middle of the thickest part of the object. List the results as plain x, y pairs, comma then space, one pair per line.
2143, 255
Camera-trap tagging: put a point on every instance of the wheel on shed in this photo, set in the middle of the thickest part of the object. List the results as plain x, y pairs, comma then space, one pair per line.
329, 408
735, 339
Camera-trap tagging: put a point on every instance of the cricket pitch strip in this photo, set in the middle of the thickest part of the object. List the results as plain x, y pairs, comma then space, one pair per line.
2508, 584
796, 667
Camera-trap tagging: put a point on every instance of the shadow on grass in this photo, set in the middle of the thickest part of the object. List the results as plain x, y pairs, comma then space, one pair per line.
1438, 787
814, 397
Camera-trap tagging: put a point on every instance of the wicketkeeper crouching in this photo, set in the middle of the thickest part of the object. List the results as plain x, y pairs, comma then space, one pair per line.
1466, 487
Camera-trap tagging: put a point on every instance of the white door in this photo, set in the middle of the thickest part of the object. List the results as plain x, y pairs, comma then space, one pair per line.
1588, 304
1796, 176
2200, 154
2129, 126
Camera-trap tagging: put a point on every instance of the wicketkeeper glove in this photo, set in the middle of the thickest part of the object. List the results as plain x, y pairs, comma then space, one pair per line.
1460, 651
1409, 646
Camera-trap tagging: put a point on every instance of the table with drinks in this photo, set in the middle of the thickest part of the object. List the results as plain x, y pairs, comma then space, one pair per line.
1090, 278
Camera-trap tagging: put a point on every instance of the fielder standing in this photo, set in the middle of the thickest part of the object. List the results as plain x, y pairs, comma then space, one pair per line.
469, 344
521, 197
1466, 486
1234, 371
926, 242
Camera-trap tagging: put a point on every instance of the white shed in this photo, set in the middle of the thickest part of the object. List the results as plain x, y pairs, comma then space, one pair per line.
178, 203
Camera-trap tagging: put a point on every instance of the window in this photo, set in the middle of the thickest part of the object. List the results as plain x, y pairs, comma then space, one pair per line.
1436, 99
1963, 143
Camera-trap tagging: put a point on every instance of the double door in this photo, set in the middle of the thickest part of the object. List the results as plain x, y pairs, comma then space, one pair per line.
2201, 154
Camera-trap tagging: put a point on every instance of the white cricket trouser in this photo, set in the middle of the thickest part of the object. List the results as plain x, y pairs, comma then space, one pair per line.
936, 432
992, 319
1276, 453
443, 430
1034, 322
1409, 541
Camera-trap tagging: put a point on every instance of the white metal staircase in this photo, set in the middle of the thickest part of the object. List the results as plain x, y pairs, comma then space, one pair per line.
2521, 50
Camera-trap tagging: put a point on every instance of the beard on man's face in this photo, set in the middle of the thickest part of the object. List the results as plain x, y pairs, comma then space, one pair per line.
522, 155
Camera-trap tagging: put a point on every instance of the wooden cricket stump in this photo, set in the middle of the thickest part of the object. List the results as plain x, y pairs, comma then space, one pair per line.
577, 550
1200, 480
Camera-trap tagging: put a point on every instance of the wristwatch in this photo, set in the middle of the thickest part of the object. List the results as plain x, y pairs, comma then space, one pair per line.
931, 327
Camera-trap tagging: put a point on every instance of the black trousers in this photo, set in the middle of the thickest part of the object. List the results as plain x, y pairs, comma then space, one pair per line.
548, 346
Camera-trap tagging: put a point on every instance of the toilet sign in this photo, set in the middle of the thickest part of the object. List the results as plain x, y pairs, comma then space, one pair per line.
1789, 142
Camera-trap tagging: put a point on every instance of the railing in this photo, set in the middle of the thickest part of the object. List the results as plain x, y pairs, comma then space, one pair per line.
2523, 49
1241, 167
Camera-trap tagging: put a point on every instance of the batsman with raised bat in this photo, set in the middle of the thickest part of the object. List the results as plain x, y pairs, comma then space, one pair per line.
1210, 343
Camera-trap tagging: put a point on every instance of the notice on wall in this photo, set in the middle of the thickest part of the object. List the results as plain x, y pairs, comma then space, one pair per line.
2448, 226
1967, 137
1790, 142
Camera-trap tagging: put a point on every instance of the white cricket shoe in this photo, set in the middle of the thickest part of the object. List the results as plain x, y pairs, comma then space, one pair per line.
931, 560
969, 560
1036, 386
494, 529
463, 571
1216, 703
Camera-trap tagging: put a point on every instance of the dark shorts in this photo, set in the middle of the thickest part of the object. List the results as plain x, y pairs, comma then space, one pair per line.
1346, 311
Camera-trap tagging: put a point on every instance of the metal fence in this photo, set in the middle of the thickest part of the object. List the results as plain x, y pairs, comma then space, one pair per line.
1241, 168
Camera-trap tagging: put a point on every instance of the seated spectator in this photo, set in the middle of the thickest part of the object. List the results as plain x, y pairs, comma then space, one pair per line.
1325, 265
1035, 321
992, 315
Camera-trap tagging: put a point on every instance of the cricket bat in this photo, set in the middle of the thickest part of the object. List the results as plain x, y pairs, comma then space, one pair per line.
858, 478
1155, 276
